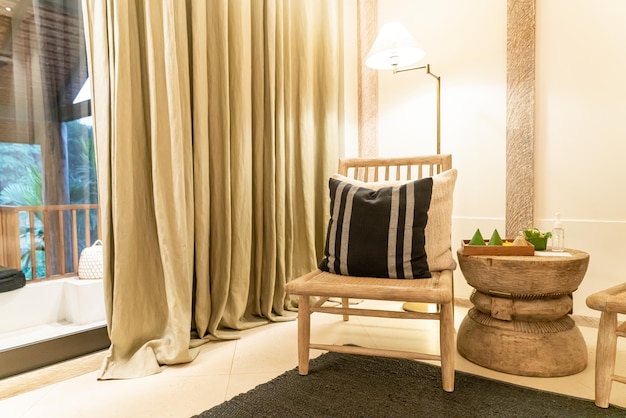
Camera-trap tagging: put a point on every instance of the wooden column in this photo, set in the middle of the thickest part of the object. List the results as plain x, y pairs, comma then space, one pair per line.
520, 133
48, 134
367, 28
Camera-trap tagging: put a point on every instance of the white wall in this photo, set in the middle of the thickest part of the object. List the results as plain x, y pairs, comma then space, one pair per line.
580, 134
581, 131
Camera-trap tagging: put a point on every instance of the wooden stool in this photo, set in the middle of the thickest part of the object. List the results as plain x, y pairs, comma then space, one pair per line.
610, 302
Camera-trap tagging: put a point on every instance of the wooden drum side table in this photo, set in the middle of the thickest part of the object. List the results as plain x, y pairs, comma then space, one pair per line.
520, 321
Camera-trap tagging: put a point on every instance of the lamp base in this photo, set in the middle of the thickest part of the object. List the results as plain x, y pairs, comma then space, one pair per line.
420, 307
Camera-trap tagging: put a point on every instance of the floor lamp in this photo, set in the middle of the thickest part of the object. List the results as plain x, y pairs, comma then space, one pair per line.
395, 49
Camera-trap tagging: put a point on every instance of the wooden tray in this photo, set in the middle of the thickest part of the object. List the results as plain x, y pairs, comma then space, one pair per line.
496, 249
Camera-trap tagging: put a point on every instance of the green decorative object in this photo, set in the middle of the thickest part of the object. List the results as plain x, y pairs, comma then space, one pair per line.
477, 239
537, 238
540, 243
495, 238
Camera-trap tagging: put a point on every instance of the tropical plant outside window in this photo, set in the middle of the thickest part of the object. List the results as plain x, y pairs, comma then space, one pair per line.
47, 165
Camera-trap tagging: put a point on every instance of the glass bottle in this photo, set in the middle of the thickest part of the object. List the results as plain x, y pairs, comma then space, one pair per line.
558, 235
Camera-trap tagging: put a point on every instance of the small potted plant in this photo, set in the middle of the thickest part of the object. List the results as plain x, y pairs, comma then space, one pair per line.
537, 238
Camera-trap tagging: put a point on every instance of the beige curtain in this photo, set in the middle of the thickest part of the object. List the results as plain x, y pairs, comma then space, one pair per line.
217, 124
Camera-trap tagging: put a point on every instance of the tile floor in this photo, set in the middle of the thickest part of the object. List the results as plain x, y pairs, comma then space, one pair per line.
225, 369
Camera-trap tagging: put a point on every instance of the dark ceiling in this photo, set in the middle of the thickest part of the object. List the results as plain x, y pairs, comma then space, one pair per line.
41, 55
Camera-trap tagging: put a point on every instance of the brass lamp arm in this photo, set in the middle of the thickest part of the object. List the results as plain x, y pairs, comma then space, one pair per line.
427, 67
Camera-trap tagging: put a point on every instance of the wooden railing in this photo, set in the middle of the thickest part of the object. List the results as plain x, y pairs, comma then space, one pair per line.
53, 230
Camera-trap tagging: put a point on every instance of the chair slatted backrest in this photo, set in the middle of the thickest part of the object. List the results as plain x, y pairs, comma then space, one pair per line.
394, 169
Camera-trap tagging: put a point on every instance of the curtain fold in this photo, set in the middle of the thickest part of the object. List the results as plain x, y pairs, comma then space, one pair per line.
216, 126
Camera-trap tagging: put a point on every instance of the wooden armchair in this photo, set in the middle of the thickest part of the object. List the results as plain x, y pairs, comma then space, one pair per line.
435, 290
610, 302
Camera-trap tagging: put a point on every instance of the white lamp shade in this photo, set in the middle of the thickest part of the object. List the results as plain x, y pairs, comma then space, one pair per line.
394, 45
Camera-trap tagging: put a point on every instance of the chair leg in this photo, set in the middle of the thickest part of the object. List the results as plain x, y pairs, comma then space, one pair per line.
345, 304
446, 345
304, 334
605, 357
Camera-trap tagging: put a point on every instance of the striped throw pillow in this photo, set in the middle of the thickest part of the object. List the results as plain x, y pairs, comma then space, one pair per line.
378, 233
439, 227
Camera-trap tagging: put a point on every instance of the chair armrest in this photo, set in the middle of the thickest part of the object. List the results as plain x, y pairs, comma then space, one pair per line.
612, 299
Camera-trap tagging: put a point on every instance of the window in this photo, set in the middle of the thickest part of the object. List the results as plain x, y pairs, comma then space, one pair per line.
48, 190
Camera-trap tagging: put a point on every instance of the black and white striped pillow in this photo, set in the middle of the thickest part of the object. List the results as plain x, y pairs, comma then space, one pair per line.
378, 233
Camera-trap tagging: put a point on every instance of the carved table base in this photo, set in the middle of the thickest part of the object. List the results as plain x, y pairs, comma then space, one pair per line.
526, 330
542, 349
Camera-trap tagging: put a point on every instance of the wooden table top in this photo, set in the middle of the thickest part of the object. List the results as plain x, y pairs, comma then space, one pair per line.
549, 274
543, 257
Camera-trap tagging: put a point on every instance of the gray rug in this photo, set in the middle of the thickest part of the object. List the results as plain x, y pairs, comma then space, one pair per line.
342, 385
